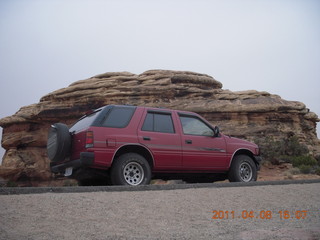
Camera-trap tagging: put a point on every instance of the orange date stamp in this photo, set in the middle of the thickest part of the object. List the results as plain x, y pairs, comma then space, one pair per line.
263, 214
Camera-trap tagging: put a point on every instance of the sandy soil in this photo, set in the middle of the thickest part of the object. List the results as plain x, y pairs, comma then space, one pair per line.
171, 214
281, 172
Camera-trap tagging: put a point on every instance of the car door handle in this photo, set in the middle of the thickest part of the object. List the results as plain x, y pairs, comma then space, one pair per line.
188, 141
147, 138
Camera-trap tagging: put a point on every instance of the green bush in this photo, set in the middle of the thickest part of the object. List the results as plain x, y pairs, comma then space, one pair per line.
12, 184
303, 160
305, 169
270, 149
317, 157
283, 150
294, 148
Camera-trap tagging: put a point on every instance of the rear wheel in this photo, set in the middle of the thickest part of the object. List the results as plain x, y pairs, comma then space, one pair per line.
130, 169
242, 169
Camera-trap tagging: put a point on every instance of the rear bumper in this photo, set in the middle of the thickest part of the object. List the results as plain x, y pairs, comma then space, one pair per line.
258, 160
86, 159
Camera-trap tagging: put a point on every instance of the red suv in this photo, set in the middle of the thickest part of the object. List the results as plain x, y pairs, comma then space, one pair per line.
129, 145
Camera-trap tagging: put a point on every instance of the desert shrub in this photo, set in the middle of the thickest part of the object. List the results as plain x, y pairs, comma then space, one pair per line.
292, 147
288, 175
317, 157
270, 149
276, 151
70, 183
285, 158
294, 171
291, 172
317, 171
305, 169
12, 184
303, 160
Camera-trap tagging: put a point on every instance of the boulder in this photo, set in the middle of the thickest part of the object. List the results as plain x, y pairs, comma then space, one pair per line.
246, 114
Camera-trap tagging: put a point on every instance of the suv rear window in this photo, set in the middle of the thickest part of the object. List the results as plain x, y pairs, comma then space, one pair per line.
84, 122
119, 117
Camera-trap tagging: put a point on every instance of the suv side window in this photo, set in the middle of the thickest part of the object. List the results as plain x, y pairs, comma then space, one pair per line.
119, 117
158, 122
194, 126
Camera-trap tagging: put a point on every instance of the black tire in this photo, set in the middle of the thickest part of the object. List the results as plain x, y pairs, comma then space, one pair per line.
59, 142
130, 169
243, 169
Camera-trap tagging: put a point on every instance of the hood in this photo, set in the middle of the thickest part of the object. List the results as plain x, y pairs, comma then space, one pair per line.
234, 144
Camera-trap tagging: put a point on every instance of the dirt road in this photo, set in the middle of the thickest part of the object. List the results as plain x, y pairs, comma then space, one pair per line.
259, 212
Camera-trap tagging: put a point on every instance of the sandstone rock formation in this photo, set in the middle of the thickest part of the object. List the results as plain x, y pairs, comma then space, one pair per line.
247, 114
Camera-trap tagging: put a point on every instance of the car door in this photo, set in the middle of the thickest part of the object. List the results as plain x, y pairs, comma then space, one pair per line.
157, 132
201, 149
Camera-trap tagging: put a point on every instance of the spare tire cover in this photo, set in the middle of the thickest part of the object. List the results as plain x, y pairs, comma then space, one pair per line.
59, 142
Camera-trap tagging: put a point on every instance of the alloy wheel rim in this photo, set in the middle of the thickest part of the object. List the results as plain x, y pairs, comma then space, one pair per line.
133, 173
245, 172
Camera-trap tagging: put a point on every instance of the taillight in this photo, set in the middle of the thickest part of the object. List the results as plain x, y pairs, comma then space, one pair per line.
89, 139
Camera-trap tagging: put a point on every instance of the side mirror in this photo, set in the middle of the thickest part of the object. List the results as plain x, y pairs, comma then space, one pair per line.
216, 131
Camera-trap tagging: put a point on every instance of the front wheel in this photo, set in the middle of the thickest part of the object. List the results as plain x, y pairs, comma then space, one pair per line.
131, 169
242, 169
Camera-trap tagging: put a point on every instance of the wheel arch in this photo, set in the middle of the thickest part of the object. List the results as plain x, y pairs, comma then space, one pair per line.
135, 148
243, 151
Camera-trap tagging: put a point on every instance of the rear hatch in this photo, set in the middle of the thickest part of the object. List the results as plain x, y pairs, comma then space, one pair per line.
81, 134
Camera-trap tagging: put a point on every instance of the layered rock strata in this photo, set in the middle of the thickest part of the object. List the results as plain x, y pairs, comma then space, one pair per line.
247, 114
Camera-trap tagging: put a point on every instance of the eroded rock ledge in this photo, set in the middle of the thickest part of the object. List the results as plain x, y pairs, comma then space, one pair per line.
247, 114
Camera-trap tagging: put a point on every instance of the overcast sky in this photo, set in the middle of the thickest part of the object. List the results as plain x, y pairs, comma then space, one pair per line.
266, 45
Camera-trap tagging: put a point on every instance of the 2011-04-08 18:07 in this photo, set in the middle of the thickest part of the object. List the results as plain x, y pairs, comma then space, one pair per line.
245, 214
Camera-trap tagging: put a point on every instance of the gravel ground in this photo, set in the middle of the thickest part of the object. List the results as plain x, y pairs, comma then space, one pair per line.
169, 214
